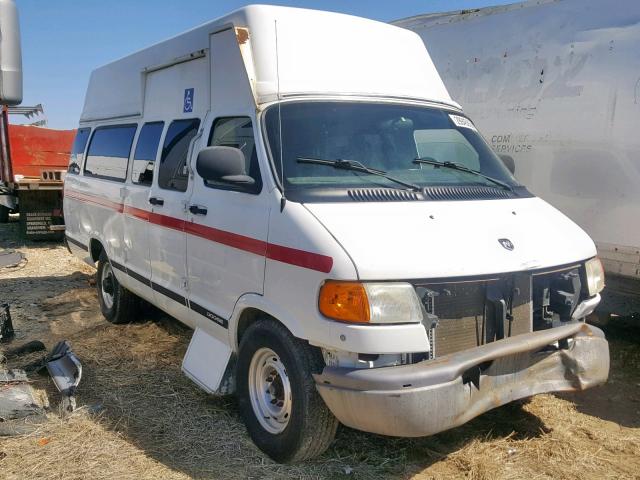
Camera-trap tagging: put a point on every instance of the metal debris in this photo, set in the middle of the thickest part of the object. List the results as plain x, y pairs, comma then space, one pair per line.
66, 371
20, 411
6, 326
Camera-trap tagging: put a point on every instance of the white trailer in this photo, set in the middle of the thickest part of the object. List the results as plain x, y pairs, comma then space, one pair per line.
555, 84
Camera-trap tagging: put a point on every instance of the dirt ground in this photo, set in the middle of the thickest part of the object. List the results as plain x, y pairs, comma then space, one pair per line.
139, 417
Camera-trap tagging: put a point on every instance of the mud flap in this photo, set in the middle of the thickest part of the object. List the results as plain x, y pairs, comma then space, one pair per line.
207, 363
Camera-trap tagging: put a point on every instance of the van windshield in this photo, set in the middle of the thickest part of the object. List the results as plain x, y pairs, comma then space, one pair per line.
319, 138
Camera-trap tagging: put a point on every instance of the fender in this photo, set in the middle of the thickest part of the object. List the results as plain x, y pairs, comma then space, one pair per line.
325, 333
259, 302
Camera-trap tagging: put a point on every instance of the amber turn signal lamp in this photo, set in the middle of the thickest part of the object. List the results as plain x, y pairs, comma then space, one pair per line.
344, 301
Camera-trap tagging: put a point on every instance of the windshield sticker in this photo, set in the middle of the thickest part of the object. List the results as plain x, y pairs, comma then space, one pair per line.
463, 122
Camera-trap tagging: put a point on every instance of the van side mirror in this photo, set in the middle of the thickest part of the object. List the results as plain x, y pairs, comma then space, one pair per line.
223, 164
509, 163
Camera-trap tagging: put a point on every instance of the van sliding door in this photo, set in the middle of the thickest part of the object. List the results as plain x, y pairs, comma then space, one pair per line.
178, 95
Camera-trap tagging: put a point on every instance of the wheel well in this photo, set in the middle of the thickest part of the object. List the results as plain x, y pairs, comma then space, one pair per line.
95, 249
251, 315
247, 317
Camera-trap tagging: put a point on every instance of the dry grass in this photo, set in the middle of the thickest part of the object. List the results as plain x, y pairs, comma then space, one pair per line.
141, 418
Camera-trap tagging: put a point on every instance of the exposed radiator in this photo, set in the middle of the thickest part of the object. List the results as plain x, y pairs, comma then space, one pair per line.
470, 314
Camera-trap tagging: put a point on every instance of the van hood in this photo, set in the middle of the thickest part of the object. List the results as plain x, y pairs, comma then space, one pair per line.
419, 240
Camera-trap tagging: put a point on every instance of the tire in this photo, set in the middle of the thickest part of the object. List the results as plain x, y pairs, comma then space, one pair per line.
4, 214
118, 305
310, 427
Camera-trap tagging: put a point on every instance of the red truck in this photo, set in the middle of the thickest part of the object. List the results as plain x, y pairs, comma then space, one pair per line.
33, 162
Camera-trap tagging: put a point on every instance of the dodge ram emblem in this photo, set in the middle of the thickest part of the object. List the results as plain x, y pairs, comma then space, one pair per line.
506, 243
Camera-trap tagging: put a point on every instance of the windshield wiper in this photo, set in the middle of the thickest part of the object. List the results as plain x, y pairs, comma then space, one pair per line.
356, 166
461, 168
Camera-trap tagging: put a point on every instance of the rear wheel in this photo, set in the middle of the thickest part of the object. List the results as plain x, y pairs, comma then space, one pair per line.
118, 305
284, 414
4, 214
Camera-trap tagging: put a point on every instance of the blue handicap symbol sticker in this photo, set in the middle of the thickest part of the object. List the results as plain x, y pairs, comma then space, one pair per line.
188, 100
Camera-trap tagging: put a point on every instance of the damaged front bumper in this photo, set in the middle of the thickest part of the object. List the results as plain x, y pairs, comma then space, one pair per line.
431, 396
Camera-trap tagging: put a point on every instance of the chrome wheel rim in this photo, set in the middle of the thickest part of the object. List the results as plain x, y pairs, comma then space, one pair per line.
107, 285
270, 391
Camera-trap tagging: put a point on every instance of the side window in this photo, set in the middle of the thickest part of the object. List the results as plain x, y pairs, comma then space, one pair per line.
77, 150
237, 132
145, 155
108, 154
173, 174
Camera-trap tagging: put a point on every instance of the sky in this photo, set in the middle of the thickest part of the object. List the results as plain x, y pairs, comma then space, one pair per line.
64, 40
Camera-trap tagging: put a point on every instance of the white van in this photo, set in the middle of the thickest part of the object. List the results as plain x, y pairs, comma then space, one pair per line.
299, 188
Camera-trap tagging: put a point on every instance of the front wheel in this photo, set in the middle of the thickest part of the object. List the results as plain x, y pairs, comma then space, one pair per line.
284, 414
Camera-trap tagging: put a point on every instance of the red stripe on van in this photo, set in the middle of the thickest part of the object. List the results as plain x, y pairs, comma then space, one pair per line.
165, 221
230, 239
103, 202
279, 253
300, 258
137, 213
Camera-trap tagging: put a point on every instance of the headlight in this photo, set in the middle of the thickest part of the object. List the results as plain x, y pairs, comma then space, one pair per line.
370, 302
595, 276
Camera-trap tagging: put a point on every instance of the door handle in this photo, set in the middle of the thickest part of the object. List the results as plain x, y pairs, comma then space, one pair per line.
196, 210
156, 201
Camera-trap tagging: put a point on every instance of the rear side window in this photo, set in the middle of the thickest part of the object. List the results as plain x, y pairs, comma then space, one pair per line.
108, 154
145, 154
237, 132
77, 150
173, 174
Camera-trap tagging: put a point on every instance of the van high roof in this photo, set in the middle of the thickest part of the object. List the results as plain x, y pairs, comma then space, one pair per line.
318, 53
